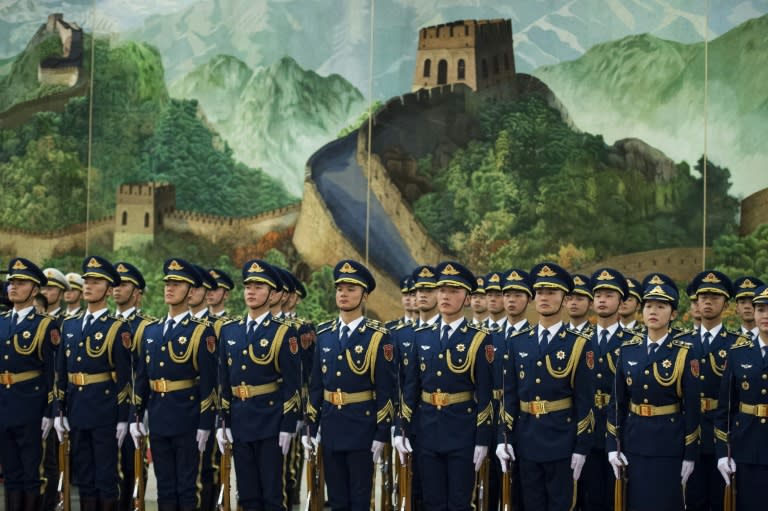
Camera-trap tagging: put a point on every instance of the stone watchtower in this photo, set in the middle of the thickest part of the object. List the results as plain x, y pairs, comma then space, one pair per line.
140, 210
477, 53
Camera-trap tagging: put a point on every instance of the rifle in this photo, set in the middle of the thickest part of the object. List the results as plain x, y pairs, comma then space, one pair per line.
396, 482
729, 497
482, 489
223, 503
385, 497
405, 479
315, 478
620, 485
138, 471
63, 486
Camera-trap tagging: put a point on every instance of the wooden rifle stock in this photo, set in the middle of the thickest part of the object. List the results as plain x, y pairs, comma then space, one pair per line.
315, 481
138, 472
620, 485
483, 480
385, 496
405, 478
63, 487
224, 503
506, 488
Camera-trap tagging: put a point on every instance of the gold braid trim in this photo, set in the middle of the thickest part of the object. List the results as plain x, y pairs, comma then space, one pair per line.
485, 415
573, 360
106, 345
311, 412
191, 348
611, 364
585, 424
292, 403
50, 397
386, 413
224, 404
37, 341
207, 403
507, 418
611, 428
721, 435
136, 345
123, 395
369, 363
718, 370
405, 411
477, 340
274, 348
689, 439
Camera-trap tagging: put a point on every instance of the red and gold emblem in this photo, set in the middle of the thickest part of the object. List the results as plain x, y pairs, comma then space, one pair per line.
389, 352
210, 342
55, 337
306, 340
695, 368
490, 353
125, 337
590, 355
293, 344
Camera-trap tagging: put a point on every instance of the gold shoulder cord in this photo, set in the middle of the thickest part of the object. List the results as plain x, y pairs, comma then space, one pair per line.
191, 348
138, 335
677, 373
718, 370
37, 341
369, 364
271, 355
477, 340
578, 347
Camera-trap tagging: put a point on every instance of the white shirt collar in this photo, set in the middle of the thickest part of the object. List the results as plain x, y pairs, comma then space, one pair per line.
431, 321
660, 342
96, 315
127, 312
611, 330
178, 318
352, 324
517, 326
73, 312
23, 313
552, 330
258, 320
579, 327
712, 332
200, 314
55, 312
630, 325
453, 324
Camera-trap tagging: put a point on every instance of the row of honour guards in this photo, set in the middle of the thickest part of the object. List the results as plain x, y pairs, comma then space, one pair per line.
611, 415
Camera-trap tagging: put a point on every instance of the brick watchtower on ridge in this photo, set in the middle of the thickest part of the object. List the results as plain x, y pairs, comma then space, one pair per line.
477, 53
140, 210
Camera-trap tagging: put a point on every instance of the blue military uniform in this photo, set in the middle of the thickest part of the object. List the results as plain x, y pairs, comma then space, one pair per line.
451, 387
602, 353
260, 378
744, 289
351, 394
93, 392
26, 392
635, 290
582, 286
654, 410
176, 384
705, 488
137, 321
741, 421
548, 402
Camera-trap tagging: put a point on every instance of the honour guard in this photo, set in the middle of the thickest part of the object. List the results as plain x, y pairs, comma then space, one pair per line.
450, 383
259, 375
478, 302
742, 413
127, 296
690, 290
629, 307
547, 398
578, 304
653, 414
27, 343
54, 293
609, 288
93, 371
218, 296
74, 296
176, 384
424, 280
711, 341
351, 392
744, 291
495, 301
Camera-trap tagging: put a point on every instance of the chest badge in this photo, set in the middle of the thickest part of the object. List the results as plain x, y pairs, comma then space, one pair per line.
590, 356
26, 334
666, 364
389, 352
460, 348
324, 369
358, 349
629, 380
326, 350
745, 385
560, 355
423, 367
182, 340
721, 353
263, 343
695, 368
631, 363
98, 336
522, 375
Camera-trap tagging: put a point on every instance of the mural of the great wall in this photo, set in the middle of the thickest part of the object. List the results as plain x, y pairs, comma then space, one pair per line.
500, 135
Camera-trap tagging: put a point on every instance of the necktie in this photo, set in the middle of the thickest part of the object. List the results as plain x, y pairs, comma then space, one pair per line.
251, 328
707, 339
765, 352
88, 321
14, 318
444, 337
544, 339
168, 326
511, 330
344, 339
603, 340
494, 326
652, 347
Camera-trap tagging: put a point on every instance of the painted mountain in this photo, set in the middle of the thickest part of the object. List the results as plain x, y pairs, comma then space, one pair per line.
274, 118
654, 89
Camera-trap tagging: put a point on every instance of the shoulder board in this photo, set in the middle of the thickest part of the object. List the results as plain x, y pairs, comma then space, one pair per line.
425, 327
116, 317
479, 328
326, 325
743, 341
200, 321
681, 344
376, 325
6, 314
577, 333
79, 315
400, 326
282, 320
741, 335
633, 341
143, 315
228, 321
523, 331
682, 333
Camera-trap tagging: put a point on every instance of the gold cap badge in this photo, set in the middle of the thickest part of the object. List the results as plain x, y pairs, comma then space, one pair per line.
255, 268
93, 263
578, 281
514, 276
121, 268
426, 274
546, 271
18, 265
711, 278
175, 266
656, 280
347, 268
605, 275
450, 270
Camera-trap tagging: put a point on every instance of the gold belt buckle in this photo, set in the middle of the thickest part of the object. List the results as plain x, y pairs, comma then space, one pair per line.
6, 378
439, 398
537, 407
79, 379
337, 398
161, 385
761, 410
242, 392
645, 410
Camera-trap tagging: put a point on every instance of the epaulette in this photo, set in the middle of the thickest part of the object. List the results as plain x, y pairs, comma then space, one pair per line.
681, 333
282, 320
479, 328
636, 339
6, 314
743, 341
200, 321
79, 315
229, 321
576, 332
524, 330
425, 327
681, 344
400, 326
116, 317
326, 325
142, 315
376, 325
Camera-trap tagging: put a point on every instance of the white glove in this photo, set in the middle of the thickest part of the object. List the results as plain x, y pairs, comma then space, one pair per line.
577, 463
481, 451
202, 438
120, 431
137, 431
61, 425
377, 448
45, 427
284, 441
686, 471
223, 435
505, 453
392, 433
617, 461
299, 426
726, 467
310, 443
403, 446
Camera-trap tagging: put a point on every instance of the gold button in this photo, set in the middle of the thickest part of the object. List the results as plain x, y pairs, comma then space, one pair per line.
645, 387
5, 357
243, 367
245, 352
8, 342
600, 360
339, 357
338, 373
162, 348
506, 357
701, 394
538, 398
703, 360
80, 389
764, 391
599, 375
645, 401
701, 377
438, 390
191, 398
162, 363
367, 412
80, 344
765, 376
469, 410
271, 403
537, 363
538, 380
440, 355
80, 358
647, 372
439, 373
106, 391
762, 421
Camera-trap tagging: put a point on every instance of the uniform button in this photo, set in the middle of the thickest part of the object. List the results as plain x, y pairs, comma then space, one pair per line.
162, 348
338, 390
504, 371
5, 357
191, 398
538, 398
703, 360
162, 363
506, 357
245, 352
538, 380
600, 360
106, 392
764, 391
367, 412
80, 344
645, 387
645, 401
701, 394
440, 355
80, 389
80, 358
469, 410
8, 342
439, 373
243, 367
762, 421
439, 390
339, 357
537, 363
599, 375
647, 372
765, 376
701, 377
271, 403
338, 373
